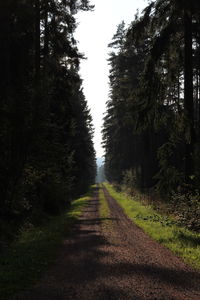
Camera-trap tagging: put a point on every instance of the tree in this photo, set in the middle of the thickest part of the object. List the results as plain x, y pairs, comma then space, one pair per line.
47, 154
152, 105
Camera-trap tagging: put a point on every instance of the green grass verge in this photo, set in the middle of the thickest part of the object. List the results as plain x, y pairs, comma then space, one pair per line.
104, 210
163, 229
23, 263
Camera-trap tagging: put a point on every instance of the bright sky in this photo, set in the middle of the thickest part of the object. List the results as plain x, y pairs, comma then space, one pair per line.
94, 33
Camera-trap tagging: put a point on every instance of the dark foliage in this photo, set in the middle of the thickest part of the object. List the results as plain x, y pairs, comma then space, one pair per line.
151, 128
46, 149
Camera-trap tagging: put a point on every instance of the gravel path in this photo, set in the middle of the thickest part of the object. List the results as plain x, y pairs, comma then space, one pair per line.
121, 262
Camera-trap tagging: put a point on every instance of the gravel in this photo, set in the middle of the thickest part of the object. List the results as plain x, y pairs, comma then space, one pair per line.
121, 262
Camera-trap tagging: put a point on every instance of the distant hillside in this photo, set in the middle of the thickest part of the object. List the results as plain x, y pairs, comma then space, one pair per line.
100, 174
100, 161
100, 177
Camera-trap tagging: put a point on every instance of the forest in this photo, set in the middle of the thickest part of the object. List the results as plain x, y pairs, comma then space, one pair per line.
151, 131
123, 226
47, 157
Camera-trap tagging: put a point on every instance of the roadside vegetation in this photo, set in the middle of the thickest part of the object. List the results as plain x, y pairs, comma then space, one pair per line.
25, 261
104, 210
164, 229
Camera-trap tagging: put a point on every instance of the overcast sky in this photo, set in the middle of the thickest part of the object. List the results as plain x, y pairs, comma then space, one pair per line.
94, 33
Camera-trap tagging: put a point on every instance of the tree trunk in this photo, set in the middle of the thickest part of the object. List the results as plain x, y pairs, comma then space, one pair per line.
37, 71
37, 41
46, 37
188, 97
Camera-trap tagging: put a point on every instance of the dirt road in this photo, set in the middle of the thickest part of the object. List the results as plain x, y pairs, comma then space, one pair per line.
120, 263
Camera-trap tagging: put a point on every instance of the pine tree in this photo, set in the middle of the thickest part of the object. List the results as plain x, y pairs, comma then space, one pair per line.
47, 154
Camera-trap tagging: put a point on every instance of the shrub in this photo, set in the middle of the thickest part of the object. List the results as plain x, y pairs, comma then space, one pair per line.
187, 208
130, 181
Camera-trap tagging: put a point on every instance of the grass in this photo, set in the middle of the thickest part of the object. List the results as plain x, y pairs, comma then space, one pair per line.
104, 210
181, 241
24, 262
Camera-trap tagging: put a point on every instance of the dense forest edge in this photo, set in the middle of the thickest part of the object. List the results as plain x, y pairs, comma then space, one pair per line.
47, 157
151, 127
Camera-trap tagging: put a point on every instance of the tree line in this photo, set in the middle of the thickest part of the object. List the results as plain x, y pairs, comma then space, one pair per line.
46, 150
152, 125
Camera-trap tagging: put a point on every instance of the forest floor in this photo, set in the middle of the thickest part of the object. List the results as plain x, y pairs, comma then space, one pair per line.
116, 261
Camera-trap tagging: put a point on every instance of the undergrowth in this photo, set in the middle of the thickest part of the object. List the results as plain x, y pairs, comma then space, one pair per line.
23, 263
186, 207
164, 229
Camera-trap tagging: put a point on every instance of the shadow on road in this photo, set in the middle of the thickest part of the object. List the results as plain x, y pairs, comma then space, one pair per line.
87, 269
